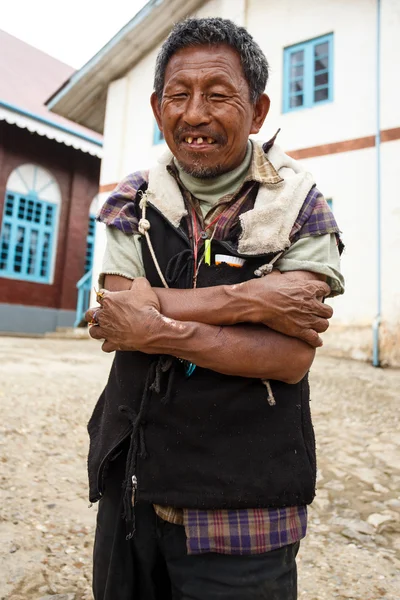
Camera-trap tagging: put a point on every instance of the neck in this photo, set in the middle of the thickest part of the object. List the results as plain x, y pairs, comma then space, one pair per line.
216, 187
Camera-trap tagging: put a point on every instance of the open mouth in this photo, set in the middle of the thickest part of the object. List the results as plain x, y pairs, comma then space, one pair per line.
199, 141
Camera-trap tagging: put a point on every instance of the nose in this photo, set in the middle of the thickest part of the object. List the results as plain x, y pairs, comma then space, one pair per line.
196, 110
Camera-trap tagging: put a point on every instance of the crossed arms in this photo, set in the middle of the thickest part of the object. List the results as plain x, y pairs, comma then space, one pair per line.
264, 328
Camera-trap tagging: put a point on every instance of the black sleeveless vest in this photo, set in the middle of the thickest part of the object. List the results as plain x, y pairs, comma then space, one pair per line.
207, 441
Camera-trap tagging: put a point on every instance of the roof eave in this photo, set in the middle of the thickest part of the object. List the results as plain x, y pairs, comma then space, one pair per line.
82, 98
24, 119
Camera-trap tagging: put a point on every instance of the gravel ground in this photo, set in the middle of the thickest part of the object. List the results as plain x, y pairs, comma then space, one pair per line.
48, 388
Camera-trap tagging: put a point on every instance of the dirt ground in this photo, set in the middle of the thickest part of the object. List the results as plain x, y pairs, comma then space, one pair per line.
48, 388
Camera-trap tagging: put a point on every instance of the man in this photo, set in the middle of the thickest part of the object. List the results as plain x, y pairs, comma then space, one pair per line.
202, 439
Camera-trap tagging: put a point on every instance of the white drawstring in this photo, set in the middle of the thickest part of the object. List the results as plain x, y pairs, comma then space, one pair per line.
144, 226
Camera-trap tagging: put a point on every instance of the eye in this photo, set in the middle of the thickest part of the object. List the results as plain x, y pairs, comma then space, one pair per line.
218, 96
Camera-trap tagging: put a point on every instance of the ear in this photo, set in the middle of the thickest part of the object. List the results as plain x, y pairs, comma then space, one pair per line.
155, 105
260, 111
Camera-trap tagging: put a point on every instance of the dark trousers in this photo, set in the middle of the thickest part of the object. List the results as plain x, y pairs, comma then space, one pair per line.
154, 565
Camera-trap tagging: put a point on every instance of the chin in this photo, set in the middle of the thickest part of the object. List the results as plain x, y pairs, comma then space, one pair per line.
202, 171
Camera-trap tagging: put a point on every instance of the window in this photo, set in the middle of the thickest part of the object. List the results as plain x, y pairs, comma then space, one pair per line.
158, 137
308, 74
90, 243
27, 236
29, 225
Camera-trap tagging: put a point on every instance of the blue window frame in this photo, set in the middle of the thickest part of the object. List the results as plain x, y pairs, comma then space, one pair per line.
90, 243
308, 74
158, 137
26, 240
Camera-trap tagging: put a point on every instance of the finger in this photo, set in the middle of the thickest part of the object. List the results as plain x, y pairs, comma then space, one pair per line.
311, 337
322, 310
323, 289
97, 333
109, 347
100, 295
319, 288
90, 315
321, 325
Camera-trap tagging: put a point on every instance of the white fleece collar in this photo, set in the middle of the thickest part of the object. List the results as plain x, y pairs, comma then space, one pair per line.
267, 226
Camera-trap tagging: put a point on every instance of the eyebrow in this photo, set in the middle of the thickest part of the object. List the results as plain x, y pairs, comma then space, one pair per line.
212, 80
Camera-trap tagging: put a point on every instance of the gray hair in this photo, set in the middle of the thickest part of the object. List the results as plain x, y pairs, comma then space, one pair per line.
210, 31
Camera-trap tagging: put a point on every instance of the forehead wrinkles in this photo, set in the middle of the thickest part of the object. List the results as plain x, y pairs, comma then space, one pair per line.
202, 66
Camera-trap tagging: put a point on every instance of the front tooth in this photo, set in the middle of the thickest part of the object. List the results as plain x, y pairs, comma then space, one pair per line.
189, 140
209, 140
199, 140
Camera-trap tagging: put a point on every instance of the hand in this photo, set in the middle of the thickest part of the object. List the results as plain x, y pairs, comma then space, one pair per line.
126, 320
293, 306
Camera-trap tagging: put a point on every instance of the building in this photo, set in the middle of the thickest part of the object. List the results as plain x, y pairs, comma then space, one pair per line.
49, 174
335, 95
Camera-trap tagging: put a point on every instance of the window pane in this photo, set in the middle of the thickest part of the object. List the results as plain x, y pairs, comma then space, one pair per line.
320, 95
21, 208
296, 72
38, 212
321, 49
19, 248
45, 255
49, 215
321, 79
297, 58
4, 245
296, 101
321, 64
9, 205
296, 86
92, 225
32, 251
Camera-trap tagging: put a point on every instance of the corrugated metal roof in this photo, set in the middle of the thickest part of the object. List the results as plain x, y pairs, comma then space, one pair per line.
83, 97
27, 77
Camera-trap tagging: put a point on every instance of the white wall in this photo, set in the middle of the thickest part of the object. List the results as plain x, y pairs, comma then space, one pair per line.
349, 180
276, 25
390, 58
390, 156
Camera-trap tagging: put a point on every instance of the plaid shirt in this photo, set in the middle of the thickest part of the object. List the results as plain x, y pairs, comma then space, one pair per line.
250, 531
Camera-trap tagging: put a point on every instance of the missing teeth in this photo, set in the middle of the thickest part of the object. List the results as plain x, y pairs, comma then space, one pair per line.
199, 140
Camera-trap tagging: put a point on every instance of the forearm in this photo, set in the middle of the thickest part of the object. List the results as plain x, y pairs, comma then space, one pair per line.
246, 302
219, 305
241, 350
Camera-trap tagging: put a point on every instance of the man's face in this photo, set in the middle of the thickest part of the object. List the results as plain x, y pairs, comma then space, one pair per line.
205, 113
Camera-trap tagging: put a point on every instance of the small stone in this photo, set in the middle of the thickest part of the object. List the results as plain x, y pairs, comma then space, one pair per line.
14, 548
380, 539
380, 488
335, 485
377, 519
351, 534
355, 525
